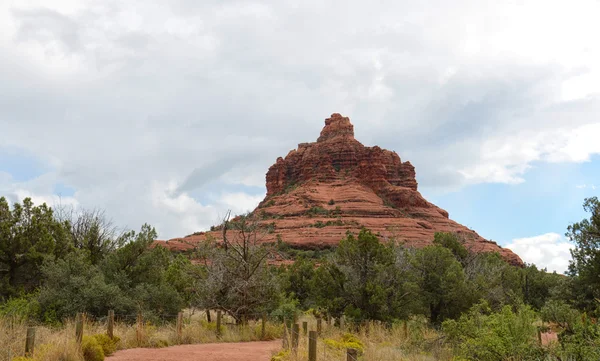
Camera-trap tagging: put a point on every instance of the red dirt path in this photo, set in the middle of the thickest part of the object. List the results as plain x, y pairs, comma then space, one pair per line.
242, 351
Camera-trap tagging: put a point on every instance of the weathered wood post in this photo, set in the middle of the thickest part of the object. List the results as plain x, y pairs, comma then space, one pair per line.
319, 325
285, 343
405, 329
342, 323
139, 331
328, 320
305, 327
79, 328
312, 346
110, 325
208, 316
219, 324
295, 337
179, 326
539, 335
29, 342
263, 326
351, 354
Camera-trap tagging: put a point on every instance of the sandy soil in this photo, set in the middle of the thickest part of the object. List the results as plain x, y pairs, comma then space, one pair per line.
243, 351
548, 338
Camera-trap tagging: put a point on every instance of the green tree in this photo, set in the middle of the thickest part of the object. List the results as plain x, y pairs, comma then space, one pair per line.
454, 243
441, 282
28, 234
490, 278
74, 285
585, 264
537, 285
182, 275
299, 281
140, 270
362, 280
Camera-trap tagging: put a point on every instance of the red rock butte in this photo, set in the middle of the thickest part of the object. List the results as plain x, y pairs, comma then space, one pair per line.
323, 189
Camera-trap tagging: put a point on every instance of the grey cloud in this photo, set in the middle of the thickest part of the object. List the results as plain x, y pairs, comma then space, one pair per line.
151, 115
43, 25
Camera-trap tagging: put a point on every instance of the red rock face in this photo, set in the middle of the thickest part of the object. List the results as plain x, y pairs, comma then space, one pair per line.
321, 190
337, 155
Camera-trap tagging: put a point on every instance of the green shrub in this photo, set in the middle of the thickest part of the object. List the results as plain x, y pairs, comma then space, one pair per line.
287, 310
212, 326
314, 211
92, 351
281, 355
109, 345
272, 331
347, 340
506, 335
582, 340
21, 308
560, 313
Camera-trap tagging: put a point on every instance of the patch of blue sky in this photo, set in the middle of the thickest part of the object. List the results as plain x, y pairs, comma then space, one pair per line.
63, 190
548, 201
21, 166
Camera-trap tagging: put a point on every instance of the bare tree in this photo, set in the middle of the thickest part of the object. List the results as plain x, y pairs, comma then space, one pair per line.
238, 279
91, 230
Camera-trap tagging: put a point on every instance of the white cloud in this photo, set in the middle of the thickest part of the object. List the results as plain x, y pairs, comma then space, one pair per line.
584, 186
550, 250
140, 106
240, 202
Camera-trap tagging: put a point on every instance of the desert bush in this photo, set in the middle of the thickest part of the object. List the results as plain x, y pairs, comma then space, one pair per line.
21, 308
91, 349
484, 336
109, 345
287, 310
560, 313
582, 340
345, 341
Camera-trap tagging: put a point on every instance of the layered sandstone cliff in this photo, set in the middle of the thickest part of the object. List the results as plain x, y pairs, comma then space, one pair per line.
323, 189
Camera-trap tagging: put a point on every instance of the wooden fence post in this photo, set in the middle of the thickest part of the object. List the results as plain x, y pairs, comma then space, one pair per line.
319, 325
208, 316
179, 326
285, 343
139, 331
405, 329
219, 324
312, 346
295, 337
29, 342
110, 324
305, 327
79, 328
342, 323
351, 354
263, 326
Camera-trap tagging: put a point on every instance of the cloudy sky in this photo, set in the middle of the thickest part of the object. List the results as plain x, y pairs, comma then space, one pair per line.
170, 112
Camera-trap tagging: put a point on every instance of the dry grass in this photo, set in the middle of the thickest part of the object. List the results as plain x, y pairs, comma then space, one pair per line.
380, 343
58, 343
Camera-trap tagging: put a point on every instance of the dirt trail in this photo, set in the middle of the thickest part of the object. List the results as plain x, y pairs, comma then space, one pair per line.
241, 351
